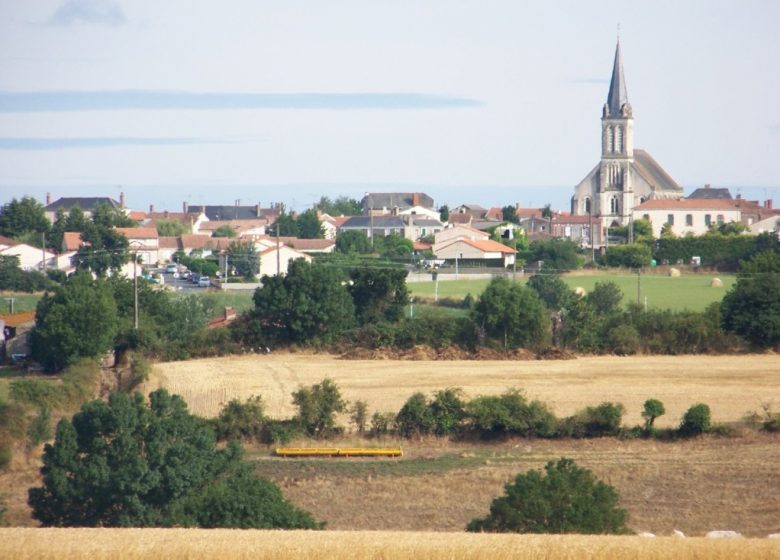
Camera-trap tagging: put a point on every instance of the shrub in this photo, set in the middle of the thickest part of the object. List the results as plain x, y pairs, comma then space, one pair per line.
696, 421
510, 414
381, 423
239, 420
599, 421
5, 455
140, 368
448, 410
360, 416
280, 431
623, 340
317, 407
652, 410
415, 417
565, 499
40, 428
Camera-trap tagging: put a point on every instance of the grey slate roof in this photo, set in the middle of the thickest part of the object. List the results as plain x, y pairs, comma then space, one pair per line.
364, 222
84, 202
617, 87
230, 212
653, 173
395, 200
710, 193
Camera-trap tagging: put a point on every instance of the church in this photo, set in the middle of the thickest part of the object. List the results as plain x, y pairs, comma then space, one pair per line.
625, 177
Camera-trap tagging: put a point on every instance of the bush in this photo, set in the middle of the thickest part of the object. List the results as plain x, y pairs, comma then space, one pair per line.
381, 423
40, 428
696, 421
280, 431
140, 368
637, 255
5, 455
359, 416
448, 411
415, 418
510, 414
317, 407
599, 421
566, 499
653, 409
239, 420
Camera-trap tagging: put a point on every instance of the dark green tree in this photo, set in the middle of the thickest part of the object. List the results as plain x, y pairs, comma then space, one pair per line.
309, 305
104, 250
318, 406
696, 421
240, 420
57, 233
565, 499
76, 220
448, 409
309, 226
635, 255
378, 294
512, 314
172, 228
341, 206
21, 217
106, 216
285, 225
79, 320
353, 241
415, 418
244, 258
551, 289
509, 214
605, 298
653, 408
556, 254
752, 307
122, 463
444, 213
393, 246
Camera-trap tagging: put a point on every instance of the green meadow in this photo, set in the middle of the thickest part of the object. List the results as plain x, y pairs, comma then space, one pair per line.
692, 292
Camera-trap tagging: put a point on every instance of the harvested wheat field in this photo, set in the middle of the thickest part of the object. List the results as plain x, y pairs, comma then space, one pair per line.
131, 544
730, 385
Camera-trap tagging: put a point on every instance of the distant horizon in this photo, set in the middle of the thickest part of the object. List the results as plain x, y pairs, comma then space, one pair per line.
173, 196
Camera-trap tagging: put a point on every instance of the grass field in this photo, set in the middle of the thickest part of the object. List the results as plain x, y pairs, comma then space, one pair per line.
731, 385
691, 292
133, 544
23, 302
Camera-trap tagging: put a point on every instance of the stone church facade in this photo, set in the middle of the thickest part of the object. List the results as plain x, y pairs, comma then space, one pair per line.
625, 177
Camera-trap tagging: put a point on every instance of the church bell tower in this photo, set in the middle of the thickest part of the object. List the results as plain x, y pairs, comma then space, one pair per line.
616, 193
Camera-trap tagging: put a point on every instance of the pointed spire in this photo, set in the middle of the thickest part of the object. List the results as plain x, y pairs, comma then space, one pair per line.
617, 88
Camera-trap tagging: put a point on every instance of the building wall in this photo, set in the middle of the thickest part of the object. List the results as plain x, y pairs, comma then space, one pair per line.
686, 221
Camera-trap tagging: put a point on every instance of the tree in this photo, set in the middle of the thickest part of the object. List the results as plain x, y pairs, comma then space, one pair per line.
696, 421
239, 420
752, 307
393, 246
359, 416
378, 294
309, 226
308, 305
444, 213
285, 225
635, 255
653, 409
122, 463
21, 217
171, 228
76, 220
57, 232
605, 298
552, 290
104, 249
79, 320
512, 314
224, 231
353, 241
448, 410
106, 216
318, 406
548, 213
342, 206
556, 254
565, 499
242, 256
415, 418
509, 214
667, 231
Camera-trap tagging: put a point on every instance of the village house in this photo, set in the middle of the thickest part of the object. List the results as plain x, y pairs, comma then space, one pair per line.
144, 242
381, 204
687, 216
86, 203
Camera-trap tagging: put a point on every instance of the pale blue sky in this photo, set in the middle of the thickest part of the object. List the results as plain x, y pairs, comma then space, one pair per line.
492, 102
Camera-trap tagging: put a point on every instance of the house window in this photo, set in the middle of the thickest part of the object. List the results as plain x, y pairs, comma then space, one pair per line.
720, 219
707, 220
689, 219
610, 139
613, 205
646, 217
587, 205
619, 139
670, 219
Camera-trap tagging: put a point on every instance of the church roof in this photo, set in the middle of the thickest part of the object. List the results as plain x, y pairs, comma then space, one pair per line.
709, 192
653, 173
617, 87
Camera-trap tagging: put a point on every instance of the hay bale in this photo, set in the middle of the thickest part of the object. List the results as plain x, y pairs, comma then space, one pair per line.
580, 291
674, 272
716, 283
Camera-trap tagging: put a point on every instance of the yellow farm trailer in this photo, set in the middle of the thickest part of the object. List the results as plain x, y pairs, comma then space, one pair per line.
339, 452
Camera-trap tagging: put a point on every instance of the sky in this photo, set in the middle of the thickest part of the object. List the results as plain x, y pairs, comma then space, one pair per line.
493, 102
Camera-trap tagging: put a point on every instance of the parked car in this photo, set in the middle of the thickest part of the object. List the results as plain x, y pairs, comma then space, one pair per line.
204, 282
172, 268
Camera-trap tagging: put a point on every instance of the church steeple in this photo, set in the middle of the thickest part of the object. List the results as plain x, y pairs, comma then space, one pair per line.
617, 101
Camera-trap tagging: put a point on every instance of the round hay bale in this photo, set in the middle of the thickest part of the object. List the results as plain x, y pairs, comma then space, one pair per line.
674, 272
716, 283
580, 291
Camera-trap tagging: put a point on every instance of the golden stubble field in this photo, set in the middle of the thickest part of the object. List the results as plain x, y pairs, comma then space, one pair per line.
730, 385
134, 544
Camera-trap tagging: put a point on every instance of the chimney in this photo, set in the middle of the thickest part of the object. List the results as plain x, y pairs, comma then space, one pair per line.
151, 208
707, 186
121, 200
48, 198
415, 199
739, 196
768, 204
257, 209
185, 207
517, 206
165, 213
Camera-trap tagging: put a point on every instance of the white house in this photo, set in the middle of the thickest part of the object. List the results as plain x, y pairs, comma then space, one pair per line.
459, 231
485, 249
143, 241
30, 258
687, 215
270, 265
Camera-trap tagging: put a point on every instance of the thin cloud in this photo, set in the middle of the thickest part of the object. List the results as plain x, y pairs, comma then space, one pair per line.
168, 100
94, 12
42, 144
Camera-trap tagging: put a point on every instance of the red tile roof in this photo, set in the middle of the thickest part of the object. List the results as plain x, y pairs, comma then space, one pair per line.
71, 240
138, 233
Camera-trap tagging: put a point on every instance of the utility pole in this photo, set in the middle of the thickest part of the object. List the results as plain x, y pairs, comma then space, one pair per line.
43, 252
278, 256
135, 290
